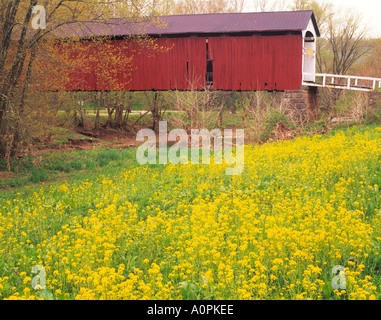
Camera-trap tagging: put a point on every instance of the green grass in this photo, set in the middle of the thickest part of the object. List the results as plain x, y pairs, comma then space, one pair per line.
90, 106
59, 166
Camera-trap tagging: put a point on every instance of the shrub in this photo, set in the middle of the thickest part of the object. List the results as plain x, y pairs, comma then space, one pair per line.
38, 175
107, 155
271, 120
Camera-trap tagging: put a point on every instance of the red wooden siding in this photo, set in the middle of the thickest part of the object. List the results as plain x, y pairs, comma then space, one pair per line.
258, 62
249, 63
75, 70
181, 67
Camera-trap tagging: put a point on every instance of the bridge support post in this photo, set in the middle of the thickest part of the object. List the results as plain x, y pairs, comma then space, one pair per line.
374, 99
302, 105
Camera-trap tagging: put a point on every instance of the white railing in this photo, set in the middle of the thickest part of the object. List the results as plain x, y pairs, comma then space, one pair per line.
348, 82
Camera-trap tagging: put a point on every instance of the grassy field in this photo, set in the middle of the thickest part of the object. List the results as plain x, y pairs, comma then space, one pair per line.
108, 228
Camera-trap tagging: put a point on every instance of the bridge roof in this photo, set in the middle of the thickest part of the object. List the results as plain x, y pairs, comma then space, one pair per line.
219, 23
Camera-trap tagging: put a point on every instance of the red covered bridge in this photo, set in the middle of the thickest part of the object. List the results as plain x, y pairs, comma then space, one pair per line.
234, 51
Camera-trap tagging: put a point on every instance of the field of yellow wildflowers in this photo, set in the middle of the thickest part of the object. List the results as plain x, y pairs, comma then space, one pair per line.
276, 231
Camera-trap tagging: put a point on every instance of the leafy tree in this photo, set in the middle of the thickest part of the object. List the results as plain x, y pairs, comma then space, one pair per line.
26, 54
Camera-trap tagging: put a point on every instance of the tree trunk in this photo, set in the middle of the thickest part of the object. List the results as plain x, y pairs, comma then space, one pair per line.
119, 108
220, 116
99, 101
17, 135
128, 109
156, 114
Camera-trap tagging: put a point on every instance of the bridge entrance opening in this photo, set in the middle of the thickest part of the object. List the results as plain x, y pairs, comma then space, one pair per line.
309, 51
209, 67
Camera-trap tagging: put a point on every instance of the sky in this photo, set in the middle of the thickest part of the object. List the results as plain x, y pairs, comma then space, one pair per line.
370, 10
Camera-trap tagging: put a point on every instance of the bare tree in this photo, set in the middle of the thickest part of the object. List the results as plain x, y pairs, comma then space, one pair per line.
207, 6
343, 33
346, 36
268, 5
